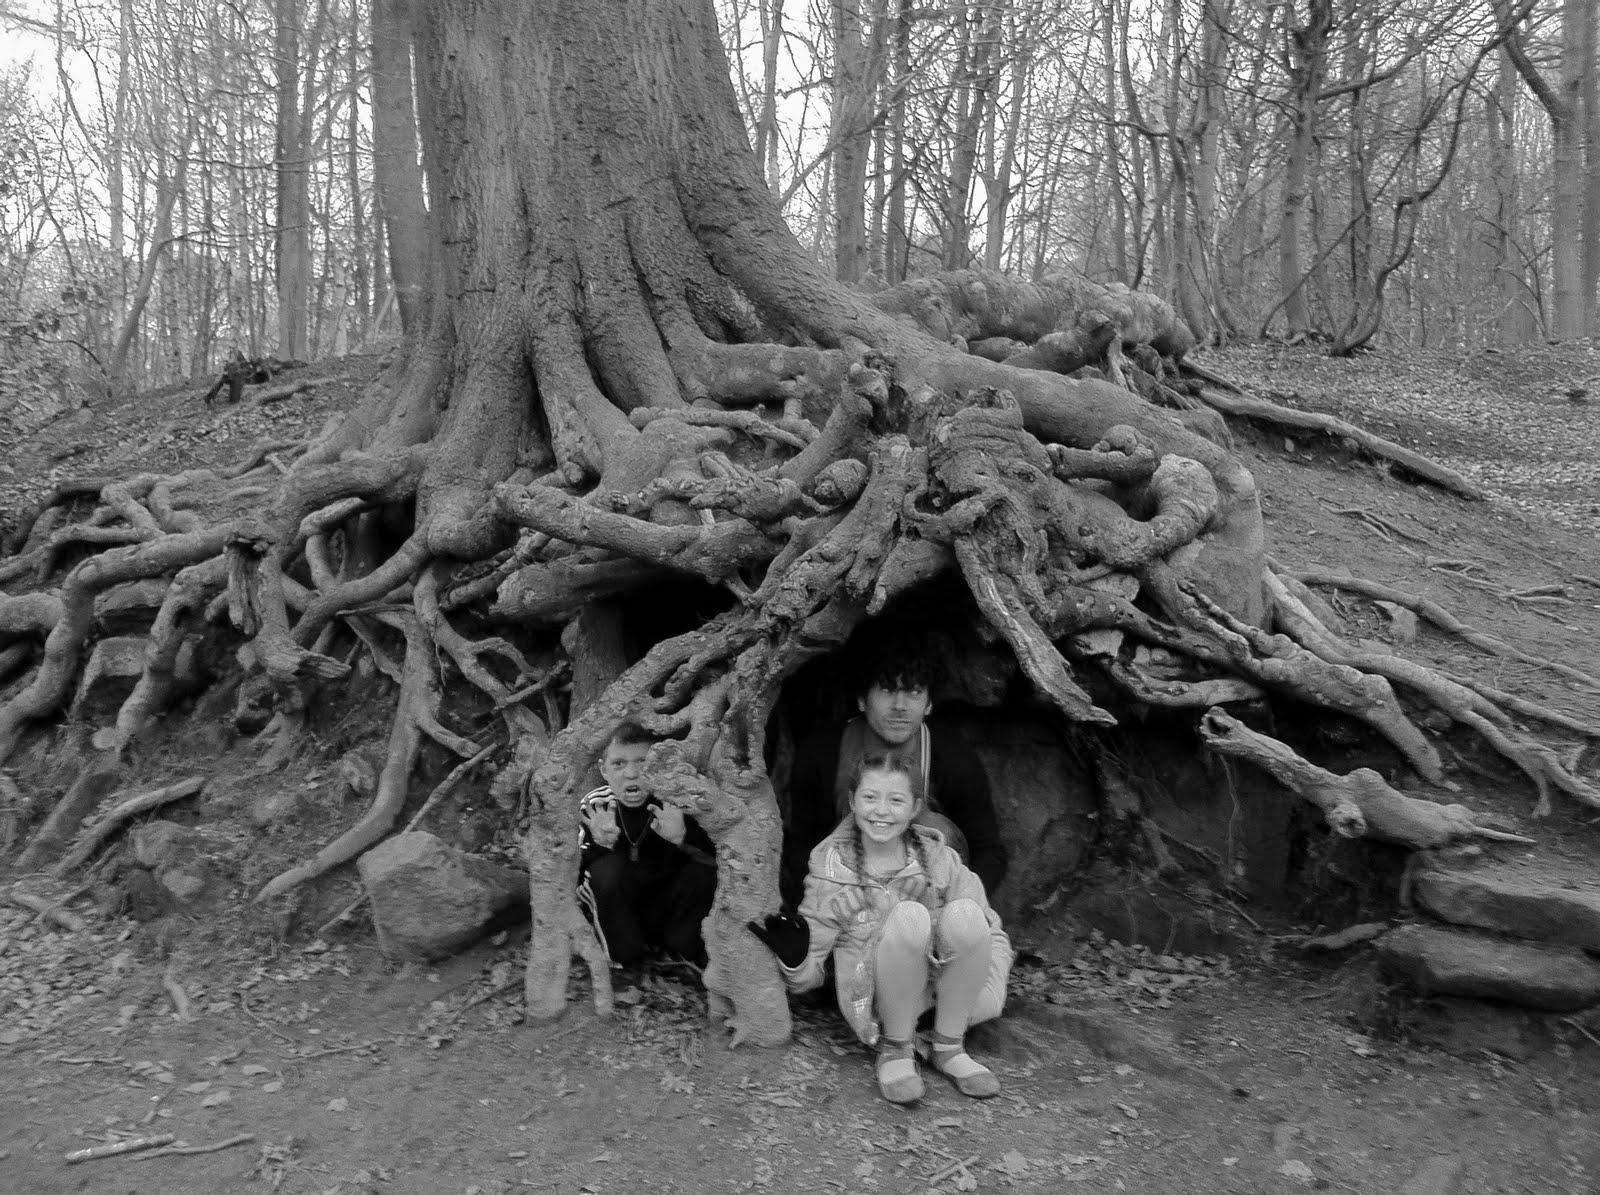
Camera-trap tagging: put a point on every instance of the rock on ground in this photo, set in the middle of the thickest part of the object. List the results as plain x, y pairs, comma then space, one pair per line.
1450, 962
429, 899
1525, 903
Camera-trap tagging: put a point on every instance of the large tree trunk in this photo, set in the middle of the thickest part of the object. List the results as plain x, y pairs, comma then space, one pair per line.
293, 176
396, 173
1307, 57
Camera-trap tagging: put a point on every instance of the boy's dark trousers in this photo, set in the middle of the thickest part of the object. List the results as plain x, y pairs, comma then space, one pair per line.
639, 908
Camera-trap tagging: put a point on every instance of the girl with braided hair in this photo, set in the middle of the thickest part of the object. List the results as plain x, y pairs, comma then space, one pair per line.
909, 929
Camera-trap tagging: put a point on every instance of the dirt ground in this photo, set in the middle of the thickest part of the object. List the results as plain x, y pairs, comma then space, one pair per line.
1124, 1069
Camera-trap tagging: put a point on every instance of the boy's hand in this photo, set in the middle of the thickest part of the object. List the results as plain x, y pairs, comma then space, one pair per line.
667, 821
786, 935
602, 823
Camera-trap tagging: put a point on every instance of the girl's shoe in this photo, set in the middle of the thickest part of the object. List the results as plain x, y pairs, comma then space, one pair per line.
950, 1058
898, 1081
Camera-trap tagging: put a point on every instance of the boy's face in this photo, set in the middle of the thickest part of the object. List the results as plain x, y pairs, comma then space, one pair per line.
622, 767
895, 714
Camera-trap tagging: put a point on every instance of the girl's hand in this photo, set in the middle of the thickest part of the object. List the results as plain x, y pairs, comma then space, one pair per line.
602, 823
856, 904
667, 821
913, 889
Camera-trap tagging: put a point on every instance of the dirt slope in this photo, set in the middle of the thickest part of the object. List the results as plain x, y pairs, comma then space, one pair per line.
1124, 1071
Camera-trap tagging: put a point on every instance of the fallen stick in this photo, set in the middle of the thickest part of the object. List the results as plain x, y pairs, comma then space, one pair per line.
132, 807
279, 393
180, 1148
180, 998
46, 909
361, 1045
484, 998
228, 1143
131, 1145
244, 1003
1344, 938
934, 1179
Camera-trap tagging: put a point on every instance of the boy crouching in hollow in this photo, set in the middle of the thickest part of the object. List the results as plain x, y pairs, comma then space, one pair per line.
649, 872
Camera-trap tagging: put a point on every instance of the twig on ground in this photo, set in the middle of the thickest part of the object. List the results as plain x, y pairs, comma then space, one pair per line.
341, 916
131, 1145
485, 998
960, 1164
46, 909
180, 998
1343, 938
229, 1143
361, 1045
1542, 591
244, 1003
279, 393
1581, 1028
1382, 525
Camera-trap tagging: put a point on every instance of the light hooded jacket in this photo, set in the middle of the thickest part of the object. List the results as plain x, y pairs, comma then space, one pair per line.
853, 941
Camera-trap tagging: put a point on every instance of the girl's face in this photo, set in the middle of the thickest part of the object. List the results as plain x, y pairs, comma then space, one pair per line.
883, 805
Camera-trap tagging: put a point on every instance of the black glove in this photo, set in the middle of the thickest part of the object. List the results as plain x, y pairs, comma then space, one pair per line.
786, 935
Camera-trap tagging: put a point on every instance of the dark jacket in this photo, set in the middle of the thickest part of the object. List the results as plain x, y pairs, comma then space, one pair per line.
958, 787
656, 858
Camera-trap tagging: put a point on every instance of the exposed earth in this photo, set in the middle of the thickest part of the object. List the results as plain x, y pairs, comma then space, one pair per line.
1125, 1068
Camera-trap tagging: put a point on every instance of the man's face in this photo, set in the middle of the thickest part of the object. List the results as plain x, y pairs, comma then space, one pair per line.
895, 714
622, 767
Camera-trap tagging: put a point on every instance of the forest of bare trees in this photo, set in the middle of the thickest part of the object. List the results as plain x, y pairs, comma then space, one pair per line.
174, 187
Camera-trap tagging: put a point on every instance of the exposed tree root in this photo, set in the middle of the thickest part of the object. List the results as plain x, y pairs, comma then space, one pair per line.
48, 910
418, 691
1441, 618
1462, 703
114, 818
1230, 400
1357, 805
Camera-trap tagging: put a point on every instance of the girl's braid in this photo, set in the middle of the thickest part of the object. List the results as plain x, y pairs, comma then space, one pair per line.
920, 848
